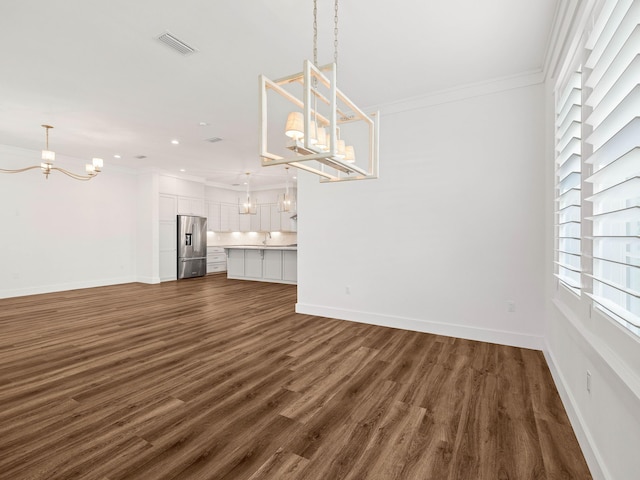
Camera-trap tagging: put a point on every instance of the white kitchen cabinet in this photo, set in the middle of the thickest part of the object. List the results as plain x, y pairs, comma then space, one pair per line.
235, 263
244, 222
168, 208
278, 265
272, 263
290, 266
255, 220
274, 218
253, 263
265, 218
191, 206
216, 260
213, 217
229, 218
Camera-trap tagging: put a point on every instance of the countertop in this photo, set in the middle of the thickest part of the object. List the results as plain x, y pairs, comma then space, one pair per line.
261, 247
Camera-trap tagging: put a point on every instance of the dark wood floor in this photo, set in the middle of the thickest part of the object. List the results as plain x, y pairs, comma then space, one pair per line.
219, 379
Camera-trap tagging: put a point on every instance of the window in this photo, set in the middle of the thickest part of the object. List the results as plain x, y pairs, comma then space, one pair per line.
611, 87
568, 183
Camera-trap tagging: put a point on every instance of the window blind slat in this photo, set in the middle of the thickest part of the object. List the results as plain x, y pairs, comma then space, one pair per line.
617, 32
572, 148
625, 112
573, 115
625, 189
617, 146
606, 98
624, 215
574, 131
599, 38
620, 168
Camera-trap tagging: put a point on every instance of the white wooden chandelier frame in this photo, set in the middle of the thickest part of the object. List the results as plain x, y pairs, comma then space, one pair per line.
326, 164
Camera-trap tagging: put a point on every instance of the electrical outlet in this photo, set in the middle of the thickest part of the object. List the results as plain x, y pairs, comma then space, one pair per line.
511, 306
347, 290
588, 381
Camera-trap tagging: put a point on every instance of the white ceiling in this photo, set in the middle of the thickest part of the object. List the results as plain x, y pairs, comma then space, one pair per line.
94, 70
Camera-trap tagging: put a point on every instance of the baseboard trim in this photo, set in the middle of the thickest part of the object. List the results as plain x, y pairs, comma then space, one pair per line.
62, 287
502, 337
585, 439
149, 280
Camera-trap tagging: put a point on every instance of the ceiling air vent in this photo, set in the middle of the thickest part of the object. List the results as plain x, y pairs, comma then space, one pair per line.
176, 44
213, 139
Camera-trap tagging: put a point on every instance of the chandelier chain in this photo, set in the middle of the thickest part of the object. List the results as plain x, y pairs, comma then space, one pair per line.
315, 32
335, 34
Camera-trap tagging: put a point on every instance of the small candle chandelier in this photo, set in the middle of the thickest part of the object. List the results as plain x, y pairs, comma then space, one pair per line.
314, 127
48, 157
248, 204
286, 201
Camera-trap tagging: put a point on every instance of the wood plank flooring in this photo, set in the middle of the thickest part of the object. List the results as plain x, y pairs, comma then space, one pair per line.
212, 378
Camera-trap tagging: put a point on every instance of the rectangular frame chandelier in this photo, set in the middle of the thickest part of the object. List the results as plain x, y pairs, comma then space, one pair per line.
329, 158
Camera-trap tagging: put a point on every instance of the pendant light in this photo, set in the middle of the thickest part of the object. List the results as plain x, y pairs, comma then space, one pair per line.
312, 133
247, 205
286, 201
49, 156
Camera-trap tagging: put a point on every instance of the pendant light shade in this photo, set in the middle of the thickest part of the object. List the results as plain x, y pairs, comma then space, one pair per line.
350, 154
295, 125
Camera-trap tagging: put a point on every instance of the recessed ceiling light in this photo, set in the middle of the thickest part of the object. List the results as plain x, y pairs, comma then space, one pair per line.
117, 156
175, 142
203, 124
182, 170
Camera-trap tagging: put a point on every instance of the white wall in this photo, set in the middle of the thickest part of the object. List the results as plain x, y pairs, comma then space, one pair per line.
59, 234
452, 230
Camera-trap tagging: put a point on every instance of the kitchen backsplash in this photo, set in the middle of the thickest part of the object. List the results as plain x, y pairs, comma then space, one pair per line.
251, 238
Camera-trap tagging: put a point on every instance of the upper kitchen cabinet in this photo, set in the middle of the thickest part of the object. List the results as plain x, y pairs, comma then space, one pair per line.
229, 218
213, 217
191, 206
266, 224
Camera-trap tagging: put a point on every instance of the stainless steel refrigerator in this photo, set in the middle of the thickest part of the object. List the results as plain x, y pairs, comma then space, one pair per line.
192, 246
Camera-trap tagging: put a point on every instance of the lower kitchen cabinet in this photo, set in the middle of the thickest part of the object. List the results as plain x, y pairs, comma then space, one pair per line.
263, 264
272, 262
290, 266
216, 260
253, 263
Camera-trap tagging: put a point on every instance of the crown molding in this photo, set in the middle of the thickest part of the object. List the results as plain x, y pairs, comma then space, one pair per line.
462, 92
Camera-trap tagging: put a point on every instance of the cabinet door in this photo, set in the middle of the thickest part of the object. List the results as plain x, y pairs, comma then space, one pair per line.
276, 225
255, 220
168, 208
253, 263
213, 217
290, 265
245, 222
229, 221
235, 262
265, 219
273, 264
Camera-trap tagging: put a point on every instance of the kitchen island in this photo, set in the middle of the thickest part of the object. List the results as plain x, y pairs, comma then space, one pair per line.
267, 263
